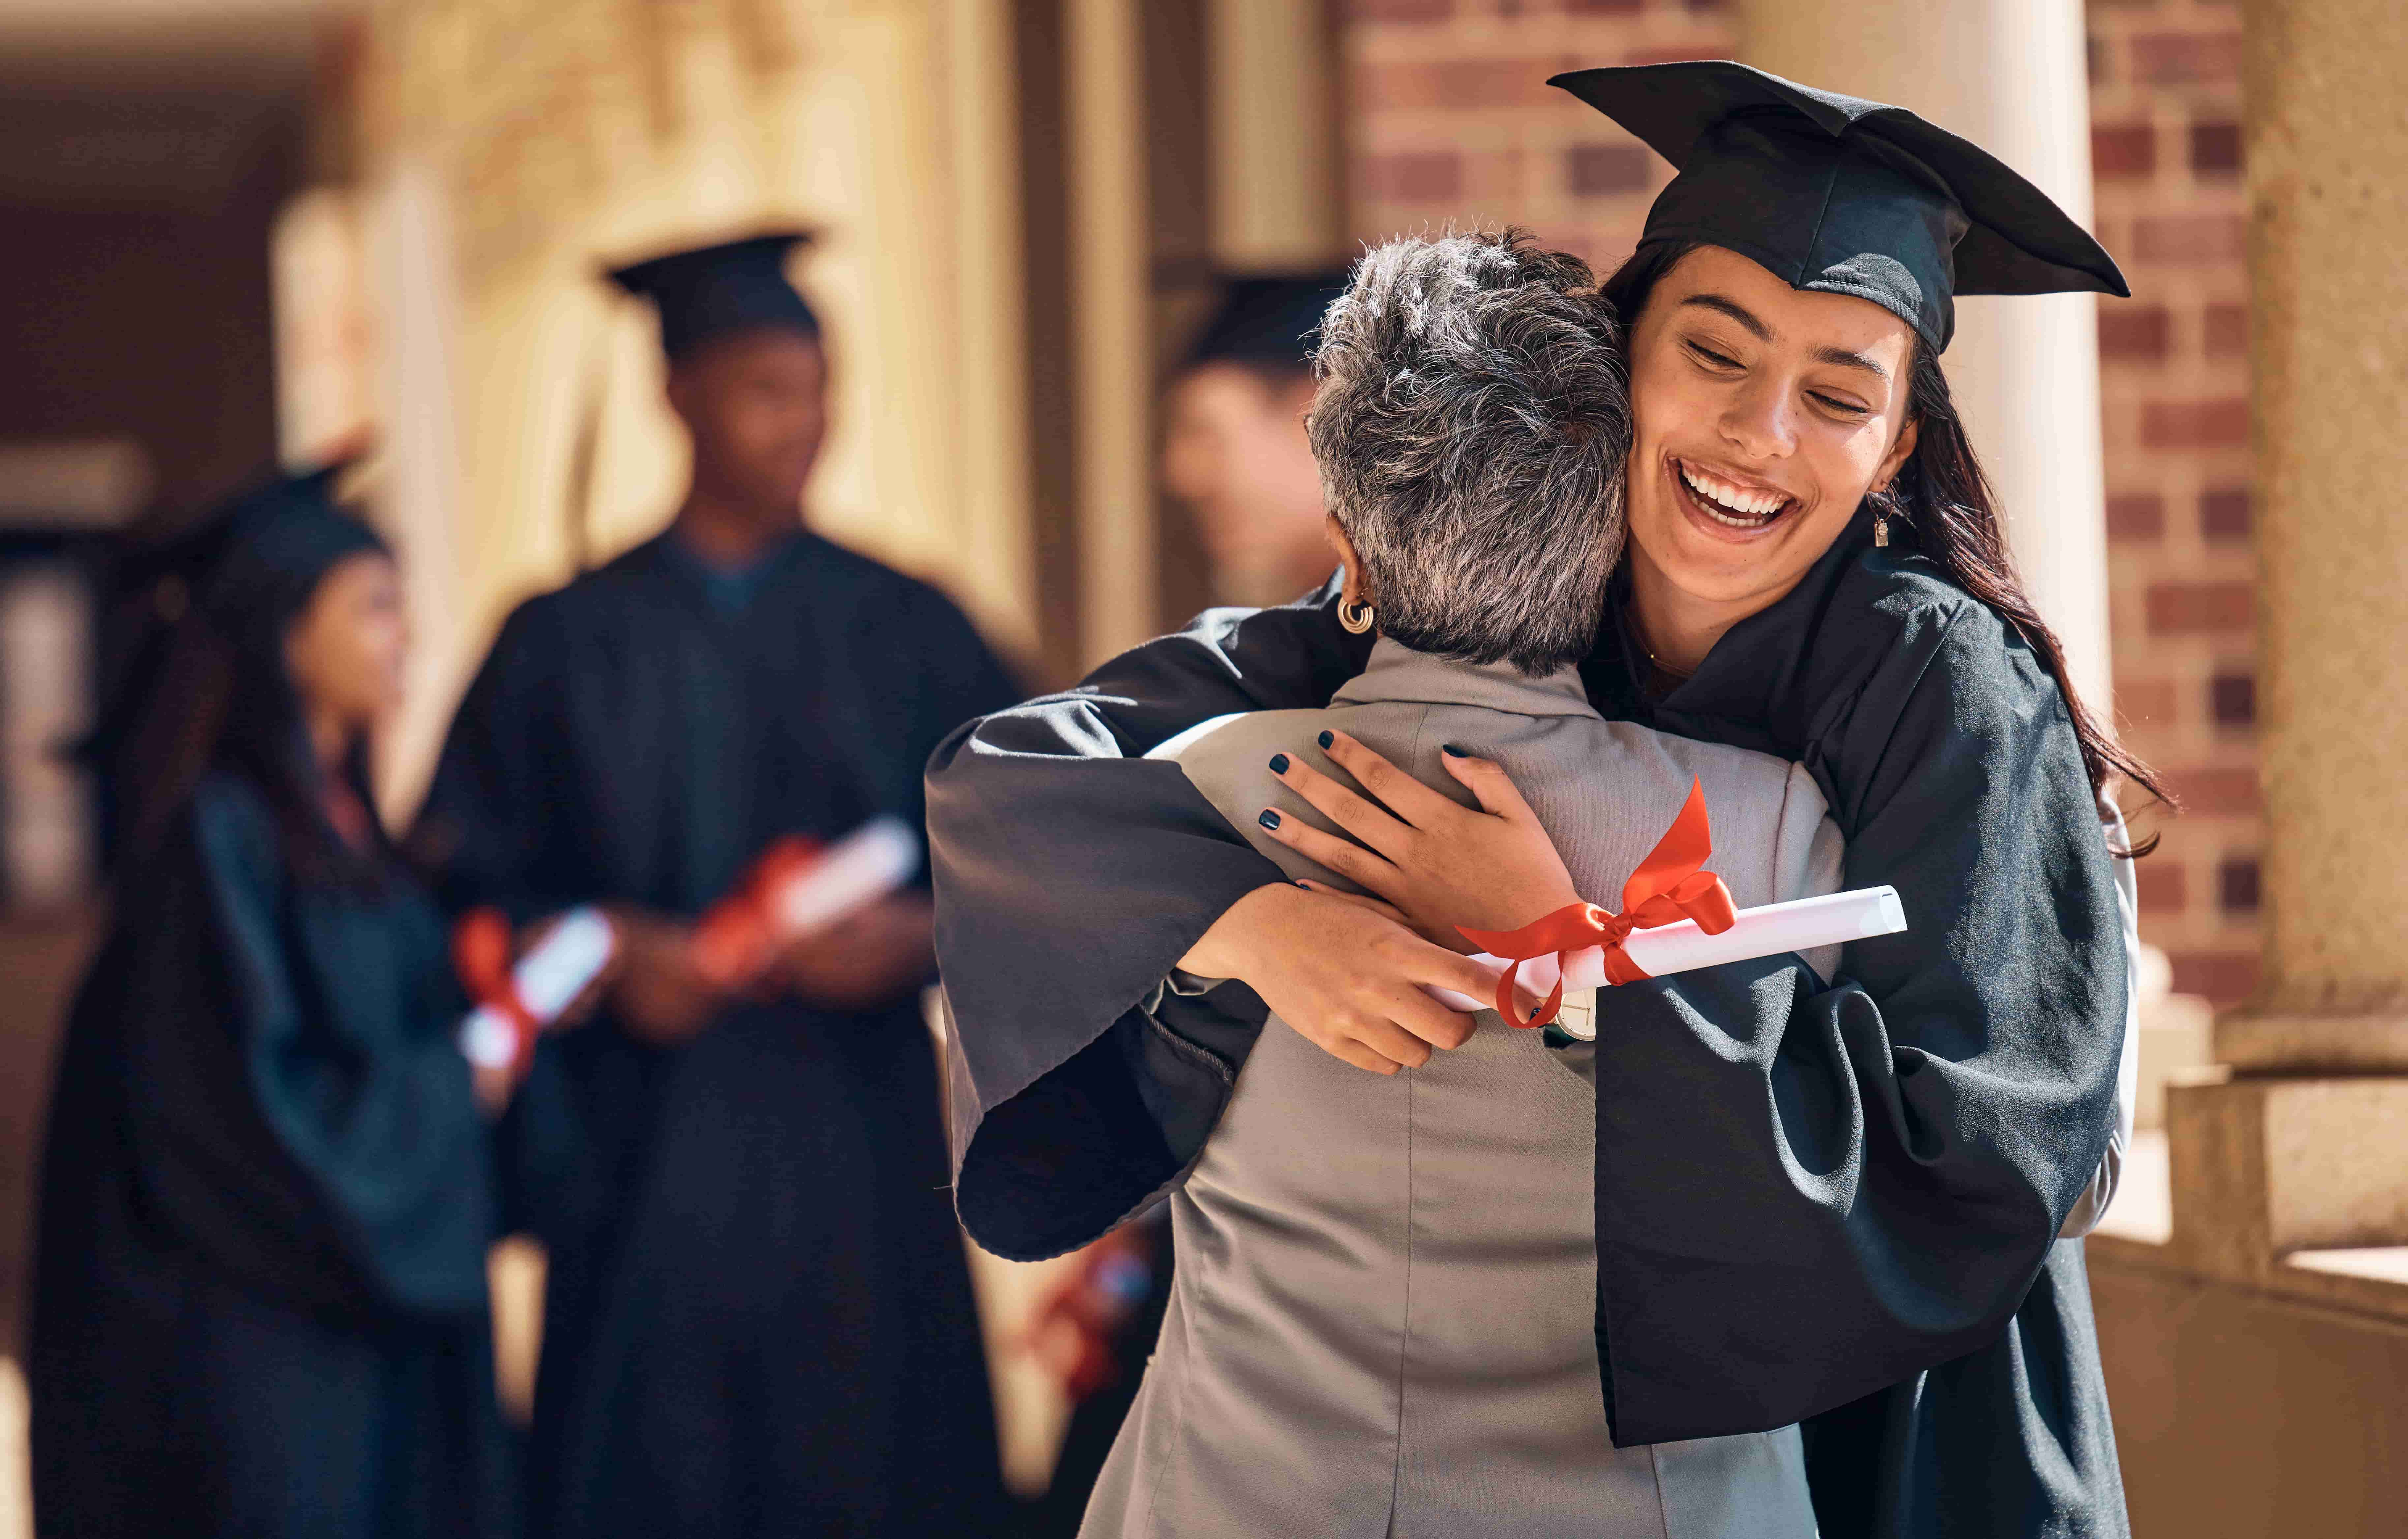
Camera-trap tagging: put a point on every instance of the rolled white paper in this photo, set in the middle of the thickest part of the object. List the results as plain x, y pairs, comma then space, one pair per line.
853, 872
488, 1040
1803, 925
548, 978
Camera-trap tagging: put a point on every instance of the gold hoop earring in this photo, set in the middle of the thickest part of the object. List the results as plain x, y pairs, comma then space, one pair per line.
1355, 616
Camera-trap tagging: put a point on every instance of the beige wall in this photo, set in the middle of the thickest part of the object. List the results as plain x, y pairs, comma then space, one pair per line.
2240, 1414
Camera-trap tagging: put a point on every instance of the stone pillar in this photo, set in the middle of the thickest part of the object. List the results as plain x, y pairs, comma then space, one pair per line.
2306, 1147
1278, 187
1111, 324
2328, 158
2009, 75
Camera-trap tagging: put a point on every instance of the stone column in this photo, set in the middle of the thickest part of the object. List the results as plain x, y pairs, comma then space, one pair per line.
1278, 182
2306, 1146
2328, 158
1111, 324
2009, 75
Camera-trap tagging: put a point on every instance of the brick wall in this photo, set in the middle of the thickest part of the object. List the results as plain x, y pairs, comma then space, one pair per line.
1449, 118
2165, 113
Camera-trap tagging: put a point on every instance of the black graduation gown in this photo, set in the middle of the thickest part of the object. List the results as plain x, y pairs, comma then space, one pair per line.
758, 1318
1836, 1205
259, 1292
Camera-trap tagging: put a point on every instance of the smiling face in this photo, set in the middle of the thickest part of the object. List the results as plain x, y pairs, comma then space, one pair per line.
1764, 415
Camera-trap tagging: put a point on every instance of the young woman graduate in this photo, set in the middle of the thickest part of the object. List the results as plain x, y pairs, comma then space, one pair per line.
758, 1316
1833, 1205
259, 1292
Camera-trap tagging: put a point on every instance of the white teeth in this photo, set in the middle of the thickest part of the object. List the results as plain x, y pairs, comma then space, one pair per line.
1751, 507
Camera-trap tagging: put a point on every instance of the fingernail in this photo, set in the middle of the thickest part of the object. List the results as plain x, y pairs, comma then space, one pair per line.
1278, 764
1269, 819
1328, 738
1453, 751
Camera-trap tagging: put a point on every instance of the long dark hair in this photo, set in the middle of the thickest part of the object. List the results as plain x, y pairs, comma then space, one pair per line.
203, 688
1950, 515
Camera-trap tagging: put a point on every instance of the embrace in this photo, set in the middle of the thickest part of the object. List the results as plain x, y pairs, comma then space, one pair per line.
1791, 1245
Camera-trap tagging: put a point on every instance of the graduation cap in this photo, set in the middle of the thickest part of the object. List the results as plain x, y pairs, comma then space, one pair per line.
251, 564
199, 611
1840, 196
709, 291
1269, 320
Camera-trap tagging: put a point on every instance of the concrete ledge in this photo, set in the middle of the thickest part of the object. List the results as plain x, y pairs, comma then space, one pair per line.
2262, 1168
2304, 1043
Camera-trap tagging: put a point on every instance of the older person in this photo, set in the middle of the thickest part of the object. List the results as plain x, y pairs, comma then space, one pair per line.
1381, 1318
1838, 1205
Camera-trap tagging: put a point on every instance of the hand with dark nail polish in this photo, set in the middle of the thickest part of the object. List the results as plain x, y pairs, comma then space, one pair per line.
1278, 764
1268, 818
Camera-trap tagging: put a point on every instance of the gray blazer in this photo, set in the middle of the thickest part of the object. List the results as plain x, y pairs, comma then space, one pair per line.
1382, 1319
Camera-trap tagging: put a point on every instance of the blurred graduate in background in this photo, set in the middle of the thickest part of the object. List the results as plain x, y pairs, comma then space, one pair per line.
260, 1299
1233, 445
758, 1316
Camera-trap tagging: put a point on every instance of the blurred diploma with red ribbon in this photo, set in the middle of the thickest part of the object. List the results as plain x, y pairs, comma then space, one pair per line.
1676, 916
514, 1005
797, 889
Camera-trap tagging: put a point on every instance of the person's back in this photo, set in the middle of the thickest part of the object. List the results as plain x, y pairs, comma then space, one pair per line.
1383, 1321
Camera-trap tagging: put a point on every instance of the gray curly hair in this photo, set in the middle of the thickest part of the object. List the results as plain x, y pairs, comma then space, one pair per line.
1471, 423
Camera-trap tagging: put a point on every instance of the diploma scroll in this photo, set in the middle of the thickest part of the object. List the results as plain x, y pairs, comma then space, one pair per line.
798, 887
1772, 930
500, 1032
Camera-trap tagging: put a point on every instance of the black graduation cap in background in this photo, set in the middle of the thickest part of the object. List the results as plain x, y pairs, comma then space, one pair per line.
1840, 195
1269, 320
709, 291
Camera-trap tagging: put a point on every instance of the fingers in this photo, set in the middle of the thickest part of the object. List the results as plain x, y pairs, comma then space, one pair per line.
1488, 784
1430, 1021
1435, 967
1367, 1042
1350, 1051
1366, 819
1408, 798
1348, 860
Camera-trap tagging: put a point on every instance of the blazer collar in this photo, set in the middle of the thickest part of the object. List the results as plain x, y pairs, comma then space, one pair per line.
1397, 672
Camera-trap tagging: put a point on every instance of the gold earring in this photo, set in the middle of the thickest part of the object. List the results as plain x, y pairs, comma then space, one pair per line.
1355, 616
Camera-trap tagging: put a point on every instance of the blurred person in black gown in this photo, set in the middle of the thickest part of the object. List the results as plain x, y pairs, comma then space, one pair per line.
259, 1303
1233, 445
758, 1316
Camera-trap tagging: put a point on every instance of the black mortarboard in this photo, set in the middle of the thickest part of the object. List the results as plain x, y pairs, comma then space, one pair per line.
1269, 320
211, 608
713, 290
250, 566
1840, 195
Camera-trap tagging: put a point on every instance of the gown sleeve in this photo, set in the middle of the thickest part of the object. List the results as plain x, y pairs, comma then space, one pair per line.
1820, 1193
1072, 873
342, 1023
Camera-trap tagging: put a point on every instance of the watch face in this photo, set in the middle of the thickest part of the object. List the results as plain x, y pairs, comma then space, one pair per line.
1576, 1020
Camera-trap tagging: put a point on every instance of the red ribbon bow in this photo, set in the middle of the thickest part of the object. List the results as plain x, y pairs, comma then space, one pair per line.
737, 940
481, 954
1670, 885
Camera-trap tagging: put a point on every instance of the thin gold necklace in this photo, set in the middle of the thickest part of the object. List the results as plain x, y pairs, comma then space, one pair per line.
1660, 665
